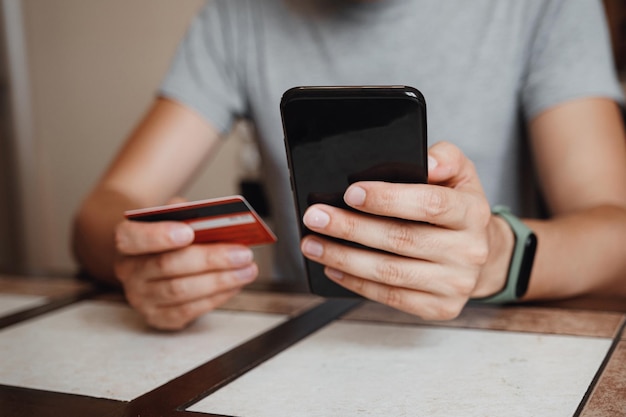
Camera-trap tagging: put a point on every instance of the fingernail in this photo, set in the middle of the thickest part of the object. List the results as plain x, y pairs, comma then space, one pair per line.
432, 163
316, 218
313, 248
240, 256
334, 274
355, 196
246, 274
181, 235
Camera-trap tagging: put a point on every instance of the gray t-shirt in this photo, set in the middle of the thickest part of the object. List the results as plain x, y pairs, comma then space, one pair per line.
484, 66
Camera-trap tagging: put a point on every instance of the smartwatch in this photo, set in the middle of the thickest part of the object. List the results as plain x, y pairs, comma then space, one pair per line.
521, 263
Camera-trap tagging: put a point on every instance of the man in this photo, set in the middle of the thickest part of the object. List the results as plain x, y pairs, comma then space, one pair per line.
490, 71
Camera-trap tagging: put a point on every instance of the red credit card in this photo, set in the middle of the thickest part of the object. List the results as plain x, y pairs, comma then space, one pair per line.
227, 219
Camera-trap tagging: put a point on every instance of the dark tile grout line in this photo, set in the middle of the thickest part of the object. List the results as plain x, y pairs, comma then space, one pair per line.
596, 378
48, 306
171, 398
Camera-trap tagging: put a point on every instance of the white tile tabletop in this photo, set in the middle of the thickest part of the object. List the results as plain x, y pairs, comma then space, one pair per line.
373, 361
103, 349
365, 369
12, 303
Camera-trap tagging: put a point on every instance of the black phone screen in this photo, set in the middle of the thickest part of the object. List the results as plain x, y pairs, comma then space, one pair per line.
335, 136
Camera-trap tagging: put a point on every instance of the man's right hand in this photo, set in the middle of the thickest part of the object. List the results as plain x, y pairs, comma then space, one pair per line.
172, 281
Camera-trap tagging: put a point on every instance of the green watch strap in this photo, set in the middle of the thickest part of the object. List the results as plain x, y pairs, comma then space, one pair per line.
521, 263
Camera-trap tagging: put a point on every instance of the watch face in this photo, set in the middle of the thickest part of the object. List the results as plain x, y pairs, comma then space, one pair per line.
528, 256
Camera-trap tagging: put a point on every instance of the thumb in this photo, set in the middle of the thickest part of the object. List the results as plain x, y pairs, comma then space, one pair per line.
449, 167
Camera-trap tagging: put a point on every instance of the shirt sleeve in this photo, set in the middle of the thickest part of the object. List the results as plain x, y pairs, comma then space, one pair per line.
570, 57
204, 74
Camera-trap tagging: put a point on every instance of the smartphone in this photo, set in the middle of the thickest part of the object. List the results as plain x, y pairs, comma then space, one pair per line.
337, 135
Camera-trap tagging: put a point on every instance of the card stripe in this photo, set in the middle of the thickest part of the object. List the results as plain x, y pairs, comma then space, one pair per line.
208, 224
187, 213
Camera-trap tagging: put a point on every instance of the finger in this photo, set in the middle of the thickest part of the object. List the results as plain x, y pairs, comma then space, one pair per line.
432, 204
407, 238
190, 260
456, 188
387, 269
176, 317
133, 237
179, 290
422, 304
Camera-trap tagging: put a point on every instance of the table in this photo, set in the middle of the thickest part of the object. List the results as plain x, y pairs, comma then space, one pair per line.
68, 348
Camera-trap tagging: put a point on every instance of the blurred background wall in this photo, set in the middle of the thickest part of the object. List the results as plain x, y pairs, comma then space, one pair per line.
76, 77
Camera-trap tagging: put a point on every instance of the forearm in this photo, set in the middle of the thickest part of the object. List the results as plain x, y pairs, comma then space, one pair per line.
140, 176
93, 241
580, 253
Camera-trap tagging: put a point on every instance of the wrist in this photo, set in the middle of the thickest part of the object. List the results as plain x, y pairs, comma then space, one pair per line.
493, 275
521, 259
